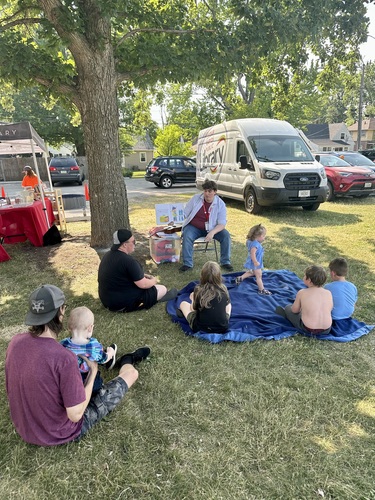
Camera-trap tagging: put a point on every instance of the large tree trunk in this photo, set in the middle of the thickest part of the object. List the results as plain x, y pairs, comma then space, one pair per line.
99, 113
95, 94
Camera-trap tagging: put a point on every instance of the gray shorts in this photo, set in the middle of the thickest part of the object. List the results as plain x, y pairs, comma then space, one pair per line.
105, 401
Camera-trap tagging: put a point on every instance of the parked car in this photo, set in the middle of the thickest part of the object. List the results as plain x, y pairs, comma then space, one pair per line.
164, 171
356, 159
369, 153
65, 169
344, 179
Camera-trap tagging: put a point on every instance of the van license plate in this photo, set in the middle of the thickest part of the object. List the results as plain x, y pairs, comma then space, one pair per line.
304, 193
368, 184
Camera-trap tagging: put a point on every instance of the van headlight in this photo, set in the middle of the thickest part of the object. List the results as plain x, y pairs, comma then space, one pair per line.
270, 174
323, 173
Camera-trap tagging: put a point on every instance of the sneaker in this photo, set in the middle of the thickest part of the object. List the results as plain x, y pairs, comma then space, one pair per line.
171, 294
227, 267
264, 292
185, 268
111, 363
134, 357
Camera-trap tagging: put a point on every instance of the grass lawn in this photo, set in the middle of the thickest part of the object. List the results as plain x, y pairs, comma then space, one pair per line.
292, 419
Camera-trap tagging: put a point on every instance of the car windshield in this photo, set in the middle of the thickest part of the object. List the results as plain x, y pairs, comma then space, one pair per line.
333, 161
358, 160
277, 148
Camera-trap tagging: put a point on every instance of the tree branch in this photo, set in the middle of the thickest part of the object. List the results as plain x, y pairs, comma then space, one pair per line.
64, 89
24, 20
241, 89
158, 30
141, 72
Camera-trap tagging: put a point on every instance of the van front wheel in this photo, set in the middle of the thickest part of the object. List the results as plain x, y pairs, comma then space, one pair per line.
251, 204
311, 208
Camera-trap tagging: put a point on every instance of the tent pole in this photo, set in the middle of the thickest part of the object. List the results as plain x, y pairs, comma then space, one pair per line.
45, 156
39, 183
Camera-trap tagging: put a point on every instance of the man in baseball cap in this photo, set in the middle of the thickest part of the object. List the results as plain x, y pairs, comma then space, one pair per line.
44, 304
49, 405
123, 286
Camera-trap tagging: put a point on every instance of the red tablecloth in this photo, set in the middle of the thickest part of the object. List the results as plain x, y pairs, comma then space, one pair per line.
22, 223
3, 254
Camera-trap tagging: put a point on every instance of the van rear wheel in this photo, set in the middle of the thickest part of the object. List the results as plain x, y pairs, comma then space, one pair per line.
251, 203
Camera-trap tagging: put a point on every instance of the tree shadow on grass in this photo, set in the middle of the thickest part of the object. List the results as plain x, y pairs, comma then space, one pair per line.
296, 216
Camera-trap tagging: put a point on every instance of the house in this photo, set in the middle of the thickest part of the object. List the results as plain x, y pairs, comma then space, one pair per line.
141, 154
324, 137
367, 133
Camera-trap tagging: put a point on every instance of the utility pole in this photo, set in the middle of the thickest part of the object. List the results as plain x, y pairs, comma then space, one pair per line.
360, 108
360, 105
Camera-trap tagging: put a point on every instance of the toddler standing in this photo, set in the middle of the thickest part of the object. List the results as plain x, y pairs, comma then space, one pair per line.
254, 262
81, 326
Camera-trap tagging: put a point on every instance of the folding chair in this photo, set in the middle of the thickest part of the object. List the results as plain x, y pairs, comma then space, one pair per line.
199, 242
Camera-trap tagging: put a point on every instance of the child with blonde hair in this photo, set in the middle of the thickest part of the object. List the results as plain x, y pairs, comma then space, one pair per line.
254, 262
81, 326
210, 307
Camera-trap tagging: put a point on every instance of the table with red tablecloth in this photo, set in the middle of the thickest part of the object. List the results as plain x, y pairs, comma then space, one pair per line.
21, 223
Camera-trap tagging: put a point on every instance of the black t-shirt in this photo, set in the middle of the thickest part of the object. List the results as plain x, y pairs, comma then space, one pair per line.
213, 319
116, 276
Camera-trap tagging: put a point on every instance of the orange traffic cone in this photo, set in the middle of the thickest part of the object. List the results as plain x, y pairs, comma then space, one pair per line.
3, 195
87, 194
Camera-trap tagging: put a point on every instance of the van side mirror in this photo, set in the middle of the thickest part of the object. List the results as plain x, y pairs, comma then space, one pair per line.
245, 164
317, 158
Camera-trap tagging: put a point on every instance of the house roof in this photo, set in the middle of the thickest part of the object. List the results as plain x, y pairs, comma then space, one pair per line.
317, 131
143, 143
367, 124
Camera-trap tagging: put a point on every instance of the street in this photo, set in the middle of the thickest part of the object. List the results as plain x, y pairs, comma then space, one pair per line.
136, 189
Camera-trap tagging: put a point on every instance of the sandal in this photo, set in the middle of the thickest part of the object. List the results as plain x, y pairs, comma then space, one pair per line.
264, 292
238, 280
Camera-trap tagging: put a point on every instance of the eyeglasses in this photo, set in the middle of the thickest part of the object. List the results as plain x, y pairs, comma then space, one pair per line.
131, 241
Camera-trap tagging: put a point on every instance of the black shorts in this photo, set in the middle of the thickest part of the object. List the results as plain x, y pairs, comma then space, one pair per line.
146, 300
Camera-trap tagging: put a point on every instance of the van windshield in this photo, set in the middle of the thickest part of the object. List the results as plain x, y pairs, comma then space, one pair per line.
278, 148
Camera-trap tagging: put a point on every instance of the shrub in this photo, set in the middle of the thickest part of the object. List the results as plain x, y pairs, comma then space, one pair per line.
127, 173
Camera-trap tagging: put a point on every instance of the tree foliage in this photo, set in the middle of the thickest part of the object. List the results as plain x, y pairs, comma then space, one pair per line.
83, 51
54, 122
169, 141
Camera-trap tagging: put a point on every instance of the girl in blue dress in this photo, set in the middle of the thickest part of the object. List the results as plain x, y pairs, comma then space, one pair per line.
254, 262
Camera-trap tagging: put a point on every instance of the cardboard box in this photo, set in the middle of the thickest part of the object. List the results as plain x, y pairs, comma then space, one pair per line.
165, 249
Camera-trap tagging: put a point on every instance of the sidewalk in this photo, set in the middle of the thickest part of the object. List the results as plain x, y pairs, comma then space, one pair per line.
78, 214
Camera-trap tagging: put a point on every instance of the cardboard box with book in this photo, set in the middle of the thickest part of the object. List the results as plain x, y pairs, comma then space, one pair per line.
165, 240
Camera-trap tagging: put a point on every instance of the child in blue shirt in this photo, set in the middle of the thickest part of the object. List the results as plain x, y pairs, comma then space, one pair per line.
254, 262
81, 326
343, 292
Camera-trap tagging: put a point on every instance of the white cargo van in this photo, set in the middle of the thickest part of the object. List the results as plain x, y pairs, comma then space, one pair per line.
261, 161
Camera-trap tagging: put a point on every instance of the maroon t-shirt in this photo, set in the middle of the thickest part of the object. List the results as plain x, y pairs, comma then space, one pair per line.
42, 380
201, 217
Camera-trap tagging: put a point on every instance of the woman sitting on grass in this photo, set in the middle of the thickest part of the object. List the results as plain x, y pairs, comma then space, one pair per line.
210, 307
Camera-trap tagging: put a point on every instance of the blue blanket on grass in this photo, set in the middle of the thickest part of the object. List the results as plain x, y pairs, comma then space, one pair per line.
253, 315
